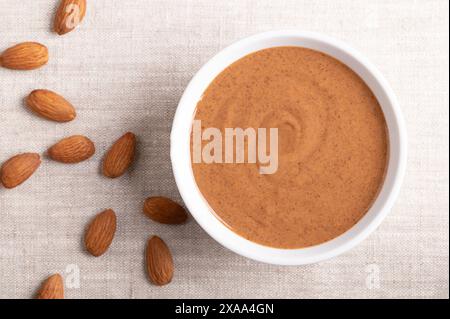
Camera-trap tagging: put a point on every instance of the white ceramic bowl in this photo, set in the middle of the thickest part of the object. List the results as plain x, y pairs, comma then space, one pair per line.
181, 157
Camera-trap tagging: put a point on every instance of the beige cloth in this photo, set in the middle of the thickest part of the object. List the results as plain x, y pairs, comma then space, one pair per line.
125, 69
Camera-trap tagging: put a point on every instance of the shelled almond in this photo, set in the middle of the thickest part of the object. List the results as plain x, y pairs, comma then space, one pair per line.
18, 169
159, 262
69, 14
73, 149
52, 288
120, 156
100, 233
50, 105
164, 210
24, 56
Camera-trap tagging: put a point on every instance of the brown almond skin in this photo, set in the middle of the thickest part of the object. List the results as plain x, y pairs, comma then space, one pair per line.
120, 156
71, 150
159, 262
50, 105
165, 211
52, 288
100, 233
18, 169
68, 17
24, 56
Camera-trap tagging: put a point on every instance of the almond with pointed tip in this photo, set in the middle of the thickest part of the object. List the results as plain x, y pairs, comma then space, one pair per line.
52, 288
120, 156
24, 56
18, 169
164, 210
73, 149
50, 105
159, 261
69, 15
100, 233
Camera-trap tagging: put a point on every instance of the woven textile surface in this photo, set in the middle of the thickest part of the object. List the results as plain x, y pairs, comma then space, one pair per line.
125, 69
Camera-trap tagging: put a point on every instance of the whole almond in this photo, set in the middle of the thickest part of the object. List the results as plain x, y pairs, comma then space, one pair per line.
69, 14
159, 261
24, 56
164, 210
73, 149
120, 156
51, 105
52, 288
100, 233
18, 169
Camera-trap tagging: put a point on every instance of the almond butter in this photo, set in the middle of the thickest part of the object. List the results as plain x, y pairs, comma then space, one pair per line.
100, 233
164, 210
51, 105
159, 261
73, 149
52, 288
69, 15
24, 56
120, 157
18, 169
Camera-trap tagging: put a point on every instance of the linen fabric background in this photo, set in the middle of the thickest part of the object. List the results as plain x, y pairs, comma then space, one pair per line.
125, 69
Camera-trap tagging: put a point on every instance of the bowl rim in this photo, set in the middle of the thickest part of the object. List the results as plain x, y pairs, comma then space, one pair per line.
181, 157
